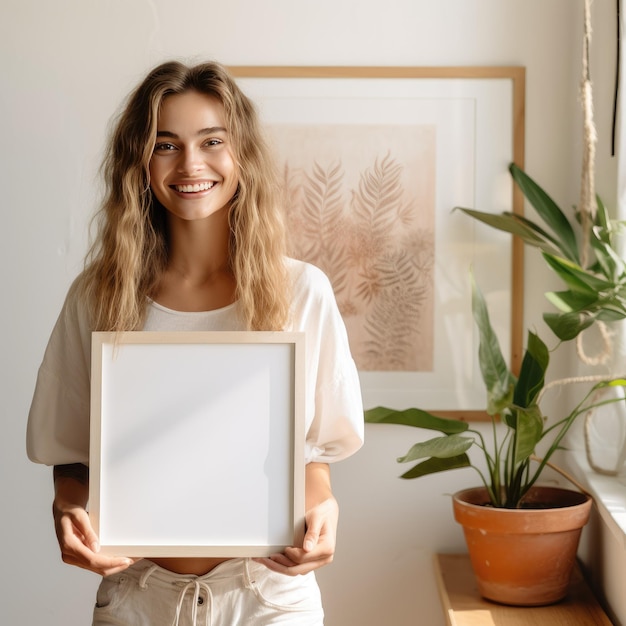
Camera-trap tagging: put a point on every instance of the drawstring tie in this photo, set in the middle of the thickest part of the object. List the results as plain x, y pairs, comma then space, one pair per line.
187, 584
145, 575
197, 586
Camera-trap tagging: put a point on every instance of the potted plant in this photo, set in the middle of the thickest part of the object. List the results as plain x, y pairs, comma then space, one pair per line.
509, 470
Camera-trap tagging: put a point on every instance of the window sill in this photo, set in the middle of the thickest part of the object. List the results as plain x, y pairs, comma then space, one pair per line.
609, 492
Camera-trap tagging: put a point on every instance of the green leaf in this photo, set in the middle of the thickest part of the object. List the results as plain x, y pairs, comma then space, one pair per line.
566, 326
548, 211
603, 221
575, 277
433, 465
580, 310
610, 313
529, 430
615, 382
530, 233
416, 418
439, 447
532, 373
607, 259
496, 375
567, 301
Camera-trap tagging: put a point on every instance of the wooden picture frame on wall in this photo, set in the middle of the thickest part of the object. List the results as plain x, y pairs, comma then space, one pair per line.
197, 443
438, 137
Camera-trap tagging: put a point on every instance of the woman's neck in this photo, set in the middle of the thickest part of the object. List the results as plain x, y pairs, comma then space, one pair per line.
198, 275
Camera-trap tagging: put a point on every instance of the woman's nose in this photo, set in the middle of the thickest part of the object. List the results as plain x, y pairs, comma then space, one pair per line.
190, 161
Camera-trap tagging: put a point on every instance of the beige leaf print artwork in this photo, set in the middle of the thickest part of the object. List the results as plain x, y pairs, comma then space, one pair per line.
361, 207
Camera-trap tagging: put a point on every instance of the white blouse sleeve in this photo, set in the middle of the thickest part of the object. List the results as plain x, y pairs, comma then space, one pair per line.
58, 421
334, 406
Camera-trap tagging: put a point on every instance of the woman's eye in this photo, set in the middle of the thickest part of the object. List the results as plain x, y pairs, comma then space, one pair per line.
164, 147
212, 142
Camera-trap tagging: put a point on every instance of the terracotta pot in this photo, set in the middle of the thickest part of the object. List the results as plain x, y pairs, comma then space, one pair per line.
523, 557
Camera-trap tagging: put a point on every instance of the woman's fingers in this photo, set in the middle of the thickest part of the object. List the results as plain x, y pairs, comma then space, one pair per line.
79, 543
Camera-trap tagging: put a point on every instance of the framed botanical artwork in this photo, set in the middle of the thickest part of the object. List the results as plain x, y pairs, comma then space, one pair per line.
197, 443
374, 160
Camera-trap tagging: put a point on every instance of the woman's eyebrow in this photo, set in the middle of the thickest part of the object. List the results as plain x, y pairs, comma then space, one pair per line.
202, 131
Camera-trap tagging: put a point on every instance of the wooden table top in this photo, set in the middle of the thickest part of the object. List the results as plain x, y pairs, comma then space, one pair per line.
464, 606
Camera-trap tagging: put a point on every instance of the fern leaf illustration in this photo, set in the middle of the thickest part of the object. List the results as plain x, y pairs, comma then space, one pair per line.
379, 196
322, 197
320, 223
392, 324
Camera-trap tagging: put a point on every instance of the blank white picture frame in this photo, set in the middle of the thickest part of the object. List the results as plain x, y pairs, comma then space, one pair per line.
197, 443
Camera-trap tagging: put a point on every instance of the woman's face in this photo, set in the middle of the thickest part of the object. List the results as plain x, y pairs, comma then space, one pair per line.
192, 170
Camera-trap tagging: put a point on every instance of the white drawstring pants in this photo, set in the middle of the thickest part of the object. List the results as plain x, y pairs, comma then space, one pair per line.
237, 592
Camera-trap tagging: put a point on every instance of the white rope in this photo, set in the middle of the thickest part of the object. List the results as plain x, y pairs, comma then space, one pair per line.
605, 353
587, 206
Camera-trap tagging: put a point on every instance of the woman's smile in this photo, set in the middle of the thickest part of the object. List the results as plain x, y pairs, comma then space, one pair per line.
193, 188
192, 158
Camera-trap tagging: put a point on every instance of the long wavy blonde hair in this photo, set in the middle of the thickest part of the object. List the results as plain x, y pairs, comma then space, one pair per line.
130, 251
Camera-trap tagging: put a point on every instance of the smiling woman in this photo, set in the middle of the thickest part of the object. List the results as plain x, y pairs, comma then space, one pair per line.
193, 177
192, 171
191, 238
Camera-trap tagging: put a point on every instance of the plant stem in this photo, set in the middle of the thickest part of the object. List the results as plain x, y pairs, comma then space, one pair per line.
563, 473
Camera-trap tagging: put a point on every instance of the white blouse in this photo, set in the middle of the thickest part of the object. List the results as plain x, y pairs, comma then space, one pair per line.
58, 422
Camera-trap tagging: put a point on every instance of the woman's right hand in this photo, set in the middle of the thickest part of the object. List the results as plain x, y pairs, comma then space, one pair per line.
77, 539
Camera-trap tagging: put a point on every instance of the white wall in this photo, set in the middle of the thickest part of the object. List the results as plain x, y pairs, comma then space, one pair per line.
66, 66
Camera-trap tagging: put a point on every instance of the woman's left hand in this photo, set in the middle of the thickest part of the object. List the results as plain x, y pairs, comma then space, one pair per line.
318, 547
